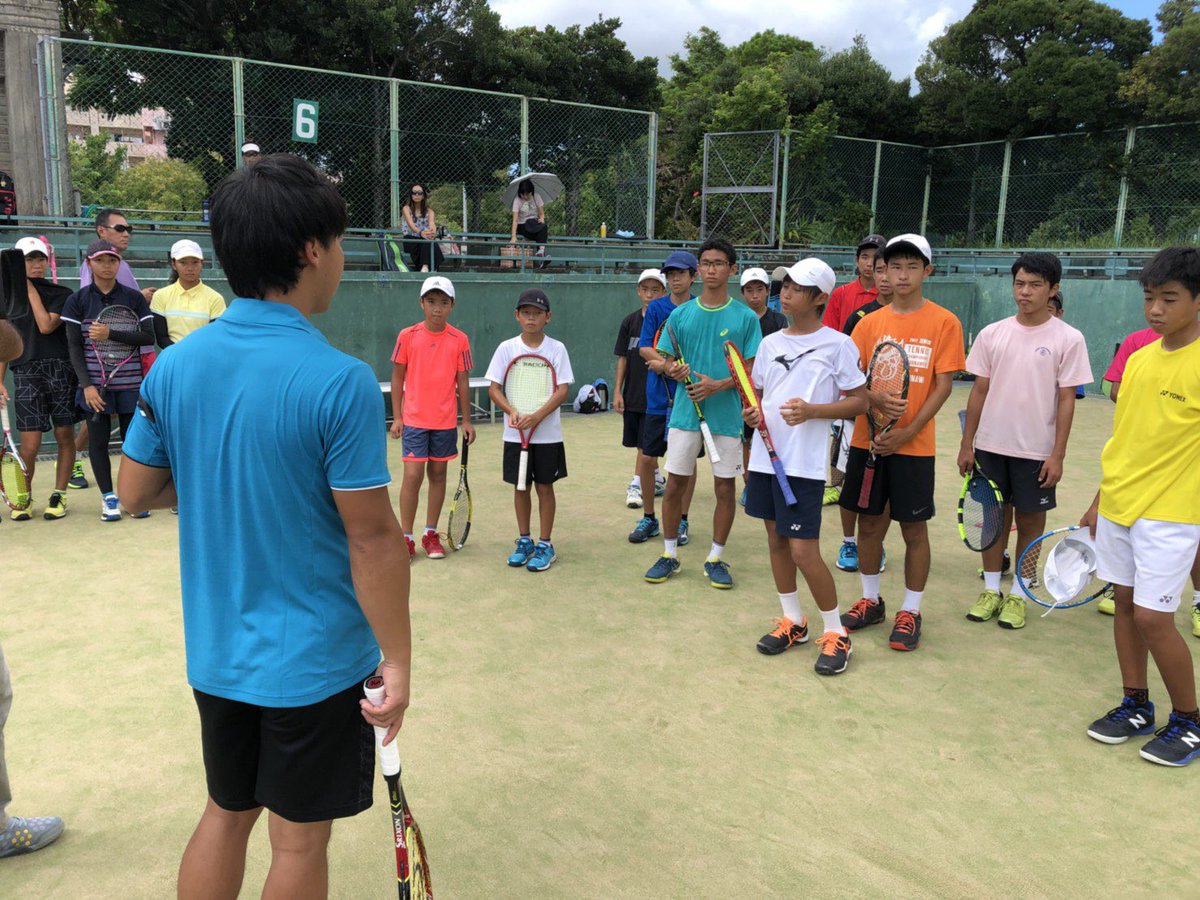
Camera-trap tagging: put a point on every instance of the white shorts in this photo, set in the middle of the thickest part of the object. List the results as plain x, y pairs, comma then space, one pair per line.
683, 449
1153, 557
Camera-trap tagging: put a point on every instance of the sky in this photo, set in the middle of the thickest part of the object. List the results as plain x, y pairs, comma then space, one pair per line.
897, 31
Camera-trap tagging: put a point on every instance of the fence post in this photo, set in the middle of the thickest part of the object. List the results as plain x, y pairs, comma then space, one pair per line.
394, 154
783, 192
51, 127
925, 201
651, 174
1123, 196
875, 184
1008, 145
239, 110
704, 190
524, 135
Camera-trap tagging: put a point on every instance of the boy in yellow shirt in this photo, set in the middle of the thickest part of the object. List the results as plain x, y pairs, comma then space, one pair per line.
187, 303
1146, 516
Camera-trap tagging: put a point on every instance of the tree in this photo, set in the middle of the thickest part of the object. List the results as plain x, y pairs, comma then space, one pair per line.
161, 184
94, 170
1165, 83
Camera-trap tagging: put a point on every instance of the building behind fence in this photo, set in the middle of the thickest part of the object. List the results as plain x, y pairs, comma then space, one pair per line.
374, 136
1134, 188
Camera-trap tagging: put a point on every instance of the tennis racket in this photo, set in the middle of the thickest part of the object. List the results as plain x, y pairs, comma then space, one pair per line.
14, 480
980, 512
711, 446
53, 260
529, 383
460, 512
112, 355
1054, 571
887, 373
412, 871
667, 387
745, 387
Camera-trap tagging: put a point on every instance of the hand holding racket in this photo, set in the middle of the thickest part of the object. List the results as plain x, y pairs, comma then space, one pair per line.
980, 511
750, 401
1058, 570
887, 374
686, 375
529, 383
111, 355
14, 479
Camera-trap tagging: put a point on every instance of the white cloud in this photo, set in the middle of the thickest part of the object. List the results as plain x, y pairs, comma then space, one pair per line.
897, 32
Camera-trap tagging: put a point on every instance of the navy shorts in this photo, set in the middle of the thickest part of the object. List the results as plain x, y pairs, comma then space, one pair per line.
429, 444
1018, 481
653, 441
764, 500
305, 763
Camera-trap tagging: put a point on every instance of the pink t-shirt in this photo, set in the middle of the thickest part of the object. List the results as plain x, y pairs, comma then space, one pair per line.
1026, 367
1131, 344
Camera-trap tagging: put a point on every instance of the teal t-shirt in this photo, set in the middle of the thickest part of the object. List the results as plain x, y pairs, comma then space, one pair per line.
702, 332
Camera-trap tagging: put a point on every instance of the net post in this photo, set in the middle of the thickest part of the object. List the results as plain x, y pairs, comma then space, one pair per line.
1003, 202
1123, 195
239, 109
783, 188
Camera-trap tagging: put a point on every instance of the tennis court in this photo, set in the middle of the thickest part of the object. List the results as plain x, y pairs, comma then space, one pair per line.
580, 733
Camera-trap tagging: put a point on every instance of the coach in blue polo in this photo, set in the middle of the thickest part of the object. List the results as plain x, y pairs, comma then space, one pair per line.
293, 568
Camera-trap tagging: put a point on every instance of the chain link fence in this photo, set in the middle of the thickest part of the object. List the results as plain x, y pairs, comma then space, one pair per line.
740, 191
155, 131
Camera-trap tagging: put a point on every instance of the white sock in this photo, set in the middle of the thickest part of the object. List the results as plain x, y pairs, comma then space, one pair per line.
870, 585
715, 552
850, 539
407, 535
991, 581
431, 529
912, 600
791, 606
832, 621
1195, 594
670, 546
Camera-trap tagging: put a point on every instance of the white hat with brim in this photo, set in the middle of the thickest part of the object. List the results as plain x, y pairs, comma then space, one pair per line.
438, 283
755, 274
29, 245
908, 242
813, 272
186, 250
653, 275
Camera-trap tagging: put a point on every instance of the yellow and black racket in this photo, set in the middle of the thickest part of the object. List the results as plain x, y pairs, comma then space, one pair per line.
14, 480
980, 511
459, 525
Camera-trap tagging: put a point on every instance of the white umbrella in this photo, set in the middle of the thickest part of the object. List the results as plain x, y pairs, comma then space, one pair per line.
548, 187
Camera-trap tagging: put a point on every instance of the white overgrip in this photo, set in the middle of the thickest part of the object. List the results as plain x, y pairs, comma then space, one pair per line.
389, 756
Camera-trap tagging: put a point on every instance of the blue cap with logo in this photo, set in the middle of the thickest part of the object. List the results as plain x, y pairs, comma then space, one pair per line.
680, 259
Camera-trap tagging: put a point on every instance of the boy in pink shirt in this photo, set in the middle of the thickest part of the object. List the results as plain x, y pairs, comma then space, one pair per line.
1019, 418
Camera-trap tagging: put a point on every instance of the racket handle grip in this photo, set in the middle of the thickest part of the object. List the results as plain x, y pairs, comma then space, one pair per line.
709, 443
523, 470
389, 756
784, 485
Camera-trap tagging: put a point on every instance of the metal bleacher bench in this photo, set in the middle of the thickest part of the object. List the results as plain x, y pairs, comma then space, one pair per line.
477, 408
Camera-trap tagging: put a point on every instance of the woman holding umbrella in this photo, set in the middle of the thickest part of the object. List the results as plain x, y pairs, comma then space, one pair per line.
529, 196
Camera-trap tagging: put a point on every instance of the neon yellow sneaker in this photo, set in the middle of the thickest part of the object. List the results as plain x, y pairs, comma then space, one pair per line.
22, 515
1107, 605
1196, 621
56, 508
1012, 612
985, 607
833, 493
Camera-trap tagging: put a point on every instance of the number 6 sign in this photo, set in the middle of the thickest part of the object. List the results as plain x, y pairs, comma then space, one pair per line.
304, 120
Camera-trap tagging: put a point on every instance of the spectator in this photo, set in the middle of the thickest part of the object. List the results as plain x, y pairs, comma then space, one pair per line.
250, 154
112, 226
420, 227
186, 303
529, 216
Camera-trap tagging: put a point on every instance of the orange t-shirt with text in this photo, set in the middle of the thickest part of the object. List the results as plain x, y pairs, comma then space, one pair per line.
933, 339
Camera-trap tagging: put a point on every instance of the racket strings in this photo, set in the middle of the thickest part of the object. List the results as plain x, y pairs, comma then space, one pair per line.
982, 515
528, 386
1032, 573
119, 319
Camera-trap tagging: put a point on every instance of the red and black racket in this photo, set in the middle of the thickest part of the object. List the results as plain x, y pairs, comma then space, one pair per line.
887, 373
529, 383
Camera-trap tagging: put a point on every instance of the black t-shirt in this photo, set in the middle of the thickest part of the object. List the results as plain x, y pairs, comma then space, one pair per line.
859, 314
633, 392
772, 322
38, 345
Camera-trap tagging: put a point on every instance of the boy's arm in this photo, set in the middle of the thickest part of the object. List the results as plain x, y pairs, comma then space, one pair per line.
966, 450
1052, 469
46, 322
892, 441
143, 487
398, 370
464, 405
618, 385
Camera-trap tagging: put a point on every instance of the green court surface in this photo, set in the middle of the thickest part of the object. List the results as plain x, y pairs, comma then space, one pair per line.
580, 733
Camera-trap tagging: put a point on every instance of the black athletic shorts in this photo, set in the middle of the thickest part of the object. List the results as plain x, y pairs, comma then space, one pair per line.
304, 763
764, 500
654, 435
631, 436
904, 483
44, 395
547, 462
1018, 481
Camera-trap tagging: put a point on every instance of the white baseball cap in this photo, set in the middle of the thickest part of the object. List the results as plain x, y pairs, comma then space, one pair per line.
908, 241
438, 283
652, 275
755, 274
29, 245
813, 272
251, 148
186, 250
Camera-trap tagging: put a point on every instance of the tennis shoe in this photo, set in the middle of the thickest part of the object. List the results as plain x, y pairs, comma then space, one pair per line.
22, 515
1175, 744
717, 571
835, 653
1123, 722
144, 514
110, 508
906, 632
1196, 621
985, 607
523, 552
412, 548
660, 483
664, 567
1107, 606
646, 528
543, 557
742, 499
432, 546
28, 835
863, 613
786, 634
833, 493
1012, 613
1005, 565
683, 533
847, 559
633, 496
78, 480
56, 508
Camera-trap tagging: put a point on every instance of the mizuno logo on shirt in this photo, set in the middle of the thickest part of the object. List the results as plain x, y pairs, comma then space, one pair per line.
788, 361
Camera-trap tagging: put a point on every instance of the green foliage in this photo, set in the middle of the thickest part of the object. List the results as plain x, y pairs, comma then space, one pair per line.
1165, 83
94, 170
103, 178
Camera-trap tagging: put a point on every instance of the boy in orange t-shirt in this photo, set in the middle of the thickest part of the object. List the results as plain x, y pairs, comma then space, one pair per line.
903, 486
430, 390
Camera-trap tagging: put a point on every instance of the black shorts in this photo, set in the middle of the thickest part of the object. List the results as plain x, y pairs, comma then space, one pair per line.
903, 483
547, 462
748, 434
44, 395
304, 763
654, 435
764, 500
632, 421
1018, 481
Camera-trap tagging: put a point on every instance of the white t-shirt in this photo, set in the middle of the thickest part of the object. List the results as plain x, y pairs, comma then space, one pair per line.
555, 352
815, 367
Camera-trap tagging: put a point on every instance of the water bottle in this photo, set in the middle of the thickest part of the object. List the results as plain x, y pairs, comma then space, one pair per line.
204, 207
603, 229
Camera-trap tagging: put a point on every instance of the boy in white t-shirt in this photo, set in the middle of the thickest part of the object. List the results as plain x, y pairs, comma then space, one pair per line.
800, 373
1019, 418
547, 456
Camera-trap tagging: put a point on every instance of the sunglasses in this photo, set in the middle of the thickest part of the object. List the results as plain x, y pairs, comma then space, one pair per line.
418, 193
251, 153
121, 229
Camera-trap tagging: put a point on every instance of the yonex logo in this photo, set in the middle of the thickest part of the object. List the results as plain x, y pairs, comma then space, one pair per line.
797, 527
1173, 396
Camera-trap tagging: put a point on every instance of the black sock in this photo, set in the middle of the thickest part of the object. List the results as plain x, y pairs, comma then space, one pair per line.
1193, 716
1140, 696
683, 518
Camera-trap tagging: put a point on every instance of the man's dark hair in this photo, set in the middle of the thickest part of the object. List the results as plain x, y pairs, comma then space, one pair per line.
720, 245
263, 215
1180, 264
1044, 265
103, 217
1057, 300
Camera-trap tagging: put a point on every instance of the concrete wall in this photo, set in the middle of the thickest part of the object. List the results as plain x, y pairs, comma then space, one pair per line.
22, 149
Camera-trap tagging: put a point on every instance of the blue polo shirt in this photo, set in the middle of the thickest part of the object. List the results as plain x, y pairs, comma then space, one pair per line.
260, 420
659, 391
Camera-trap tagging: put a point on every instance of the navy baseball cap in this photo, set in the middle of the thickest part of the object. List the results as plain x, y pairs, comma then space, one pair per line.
99, 247
680, 259
534, 297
